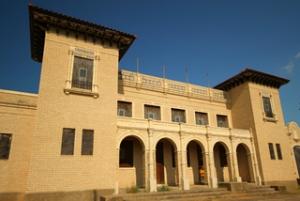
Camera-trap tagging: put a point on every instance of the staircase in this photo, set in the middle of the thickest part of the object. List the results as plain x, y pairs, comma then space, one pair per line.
252, 193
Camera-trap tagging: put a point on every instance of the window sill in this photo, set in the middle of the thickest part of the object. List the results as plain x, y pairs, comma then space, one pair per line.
83, 92
270, 119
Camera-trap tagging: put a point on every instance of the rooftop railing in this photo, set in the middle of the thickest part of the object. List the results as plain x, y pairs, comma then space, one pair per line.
142, 81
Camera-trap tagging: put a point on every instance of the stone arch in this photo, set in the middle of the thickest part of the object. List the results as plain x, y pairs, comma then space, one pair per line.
131, 161
196, 162
244, 162
222, 161
166, 162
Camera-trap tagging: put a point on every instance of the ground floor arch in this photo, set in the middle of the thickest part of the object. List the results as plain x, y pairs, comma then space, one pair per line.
166, 162
132, 162
196, 163
244, 163
222, 162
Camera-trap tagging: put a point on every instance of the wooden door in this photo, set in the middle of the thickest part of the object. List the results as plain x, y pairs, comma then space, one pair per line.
160, 177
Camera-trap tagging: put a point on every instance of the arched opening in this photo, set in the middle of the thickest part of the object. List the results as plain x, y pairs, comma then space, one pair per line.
131, 162
196, 170
297, 158
166, 162
221, 162
244, 163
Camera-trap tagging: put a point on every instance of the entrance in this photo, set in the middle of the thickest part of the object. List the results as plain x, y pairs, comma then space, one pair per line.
244, 163
166, 169
221, 162
160, 176
195, 163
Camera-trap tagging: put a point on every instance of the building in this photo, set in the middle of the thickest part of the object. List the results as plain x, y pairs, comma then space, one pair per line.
92, 126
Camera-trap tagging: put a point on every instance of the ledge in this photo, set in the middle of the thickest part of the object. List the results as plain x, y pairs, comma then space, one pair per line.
270, 119
81, 92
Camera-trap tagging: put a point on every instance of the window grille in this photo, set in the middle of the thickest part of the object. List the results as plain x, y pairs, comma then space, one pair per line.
82, 73
267, 107
222, 121
5, 143
178, 115
152, 112
201, 118
124, 109
68, 138
87, 142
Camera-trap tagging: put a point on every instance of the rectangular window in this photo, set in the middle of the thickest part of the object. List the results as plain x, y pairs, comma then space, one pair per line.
82, 73
87, 142
124, 109
68, 138
271, 150
178, 115
222, 121
5, 142
152, 112
126, 153
267, 107
201, 118
279, 154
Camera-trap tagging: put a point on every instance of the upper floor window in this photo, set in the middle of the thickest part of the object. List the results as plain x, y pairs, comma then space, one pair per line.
222, 121
5, 141
82, 73
271, 151
178, 115
124, 109
87, 142
201, 118
67, 144
267, 107
279, 154
152, 112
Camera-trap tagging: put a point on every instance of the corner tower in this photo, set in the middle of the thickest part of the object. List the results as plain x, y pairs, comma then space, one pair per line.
255, 105
76, 115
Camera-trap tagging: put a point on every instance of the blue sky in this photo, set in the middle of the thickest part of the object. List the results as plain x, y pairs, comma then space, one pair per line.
214, 39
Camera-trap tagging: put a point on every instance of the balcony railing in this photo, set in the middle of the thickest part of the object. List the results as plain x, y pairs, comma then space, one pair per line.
133, 123
142, 81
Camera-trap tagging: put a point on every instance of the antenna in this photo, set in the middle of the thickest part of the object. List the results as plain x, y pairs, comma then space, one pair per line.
164, 71
206, 75
186, 73
137, 65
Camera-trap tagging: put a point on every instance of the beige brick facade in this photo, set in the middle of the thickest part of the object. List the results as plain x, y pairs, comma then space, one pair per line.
192, 154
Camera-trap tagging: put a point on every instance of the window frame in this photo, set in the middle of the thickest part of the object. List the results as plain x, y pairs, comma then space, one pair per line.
207, 118
278, 151
90, 148
153, 106
87, 54
7, 147
118, 109
174, 119
268, 114
63, 151
271, 151
227, 120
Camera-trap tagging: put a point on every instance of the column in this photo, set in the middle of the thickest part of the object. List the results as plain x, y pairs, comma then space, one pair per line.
234, 163
212, 178
150, 159
254, 164
184, 182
